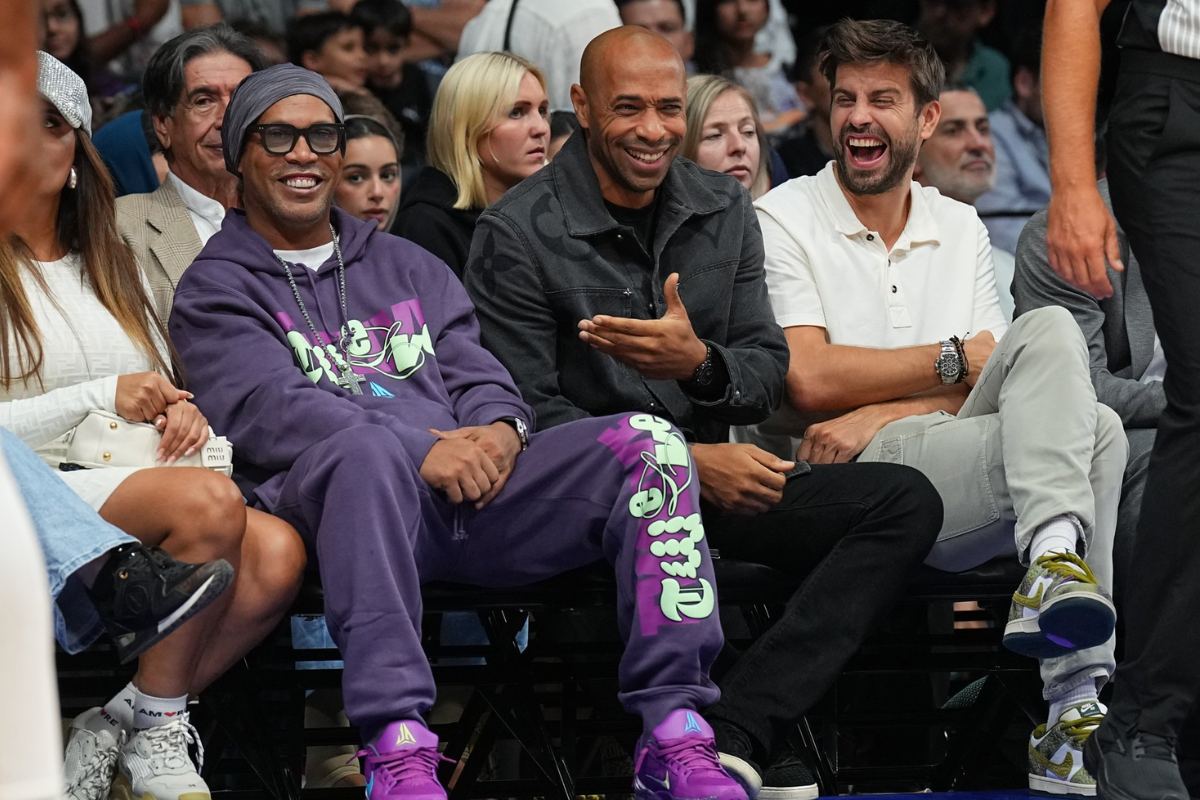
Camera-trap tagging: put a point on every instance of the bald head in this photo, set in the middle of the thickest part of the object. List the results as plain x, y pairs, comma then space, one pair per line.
630, 104
614, 53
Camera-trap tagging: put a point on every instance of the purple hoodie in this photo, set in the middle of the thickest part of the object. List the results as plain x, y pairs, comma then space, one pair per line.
251, 360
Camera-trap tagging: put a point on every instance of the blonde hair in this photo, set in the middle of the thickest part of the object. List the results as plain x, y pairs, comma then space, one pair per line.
473, 97
702, 91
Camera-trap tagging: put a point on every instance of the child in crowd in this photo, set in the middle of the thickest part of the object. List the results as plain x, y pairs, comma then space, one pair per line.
330, 44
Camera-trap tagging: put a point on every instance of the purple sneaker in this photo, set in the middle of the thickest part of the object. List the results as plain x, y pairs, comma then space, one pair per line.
679, 762
403, 763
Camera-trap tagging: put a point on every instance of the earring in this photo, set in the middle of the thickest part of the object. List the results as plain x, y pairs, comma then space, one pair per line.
73, 181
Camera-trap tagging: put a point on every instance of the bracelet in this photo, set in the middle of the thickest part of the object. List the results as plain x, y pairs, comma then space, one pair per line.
961, 349
139, 30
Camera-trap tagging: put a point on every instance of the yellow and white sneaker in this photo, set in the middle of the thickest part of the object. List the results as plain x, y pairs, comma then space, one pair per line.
1056, 752
1058, 609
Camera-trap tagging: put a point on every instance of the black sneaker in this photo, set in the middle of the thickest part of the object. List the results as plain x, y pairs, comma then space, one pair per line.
737, 756
1130, 765
788, 778
143, 595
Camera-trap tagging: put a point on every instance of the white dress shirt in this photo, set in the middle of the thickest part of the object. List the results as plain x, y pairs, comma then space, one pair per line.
207, 214
550, 33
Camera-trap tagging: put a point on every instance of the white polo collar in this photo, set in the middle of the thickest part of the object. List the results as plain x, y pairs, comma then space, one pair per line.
921, 227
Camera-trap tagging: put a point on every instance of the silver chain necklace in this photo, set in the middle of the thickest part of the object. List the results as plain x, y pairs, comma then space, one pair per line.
347, 378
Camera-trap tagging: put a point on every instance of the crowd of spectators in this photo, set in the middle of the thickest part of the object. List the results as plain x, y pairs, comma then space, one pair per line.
257, 199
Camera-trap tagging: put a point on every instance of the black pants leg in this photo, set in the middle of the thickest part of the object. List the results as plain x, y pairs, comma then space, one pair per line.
1154, 174
859, 532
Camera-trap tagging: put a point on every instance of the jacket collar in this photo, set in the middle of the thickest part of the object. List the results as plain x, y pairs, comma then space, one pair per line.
578, 190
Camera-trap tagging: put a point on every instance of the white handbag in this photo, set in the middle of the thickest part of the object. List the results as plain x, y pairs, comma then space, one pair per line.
105, 439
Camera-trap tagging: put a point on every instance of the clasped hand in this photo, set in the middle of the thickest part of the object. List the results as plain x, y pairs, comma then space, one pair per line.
149, 397
472, 464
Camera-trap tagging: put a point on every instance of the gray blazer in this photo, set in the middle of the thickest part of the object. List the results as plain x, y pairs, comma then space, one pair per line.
1119, 331
163, 238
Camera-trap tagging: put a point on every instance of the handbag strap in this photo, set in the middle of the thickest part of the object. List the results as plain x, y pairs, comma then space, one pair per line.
508, 27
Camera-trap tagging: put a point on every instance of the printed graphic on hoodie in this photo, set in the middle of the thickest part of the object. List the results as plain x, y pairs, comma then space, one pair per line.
393, 343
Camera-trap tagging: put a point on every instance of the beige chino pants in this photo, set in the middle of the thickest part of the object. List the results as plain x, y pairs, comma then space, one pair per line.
1030, 443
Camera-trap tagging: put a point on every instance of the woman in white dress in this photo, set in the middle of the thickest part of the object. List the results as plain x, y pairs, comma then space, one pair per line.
77, 333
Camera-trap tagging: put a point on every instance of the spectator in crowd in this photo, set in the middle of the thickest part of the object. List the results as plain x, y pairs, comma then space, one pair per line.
666, 18
437, 29
953, 27
400, 84
123, 34
62, 37
187, 86
724, 133
810, 147
577, 277
959, 161
549, 33
725, 45
330, 44
1128, 364
132, 154
488, 132
1022, 152
370, 184
776, 35
83, 336
868, 278
562, 125
273, 46
376, 489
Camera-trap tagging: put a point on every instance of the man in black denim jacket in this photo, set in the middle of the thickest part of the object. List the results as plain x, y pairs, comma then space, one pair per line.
621, 278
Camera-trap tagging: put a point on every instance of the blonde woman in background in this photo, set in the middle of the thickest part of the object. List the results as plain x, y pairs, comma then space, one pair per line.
488, 131
724, 133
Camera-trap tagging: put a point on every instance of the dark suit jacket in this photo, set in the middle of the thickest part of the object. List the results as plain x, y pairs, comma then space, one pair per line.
1119, 331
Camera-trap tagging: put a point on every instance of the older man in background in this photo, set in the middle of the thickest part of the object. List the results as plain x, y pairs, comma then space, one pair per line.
187, 85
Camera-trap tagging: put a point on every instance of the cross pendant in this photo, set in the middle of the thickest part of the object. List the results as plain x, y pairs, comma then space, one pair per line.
349, 379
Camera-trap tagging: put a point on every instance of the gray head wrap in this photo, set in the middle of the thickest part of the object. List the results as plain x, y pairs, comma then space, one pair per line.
261, 90
65, 90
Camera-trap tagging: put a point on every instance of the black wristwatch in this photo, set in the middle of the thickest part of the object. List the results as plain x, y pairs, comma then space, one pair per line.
703, 376
521, 428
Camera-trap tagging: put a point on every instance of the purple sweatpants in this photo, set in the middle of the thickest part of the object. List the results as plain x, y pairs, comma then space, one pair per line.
620, 488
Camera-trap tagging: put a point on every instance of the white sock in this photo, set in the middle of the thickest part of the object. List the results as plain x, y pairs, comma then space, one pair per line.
150, 712
1057, 535
1080, 694
118, 712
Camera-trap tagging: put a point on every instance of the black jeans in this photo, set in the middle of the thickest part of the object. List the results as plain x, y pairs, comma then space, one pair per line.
1154, 174
858, 532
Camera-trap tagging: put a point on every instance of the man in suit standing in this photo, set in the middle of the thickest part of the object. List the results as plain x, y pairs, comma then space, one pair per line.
1127, 359
187, 86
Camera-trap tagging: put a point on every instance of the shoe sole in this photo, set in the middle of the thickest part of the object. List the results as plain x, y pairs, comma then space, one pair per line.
808, 792
740, 770
1048, 787
123, 790
1063, 626
643, 792
216, 584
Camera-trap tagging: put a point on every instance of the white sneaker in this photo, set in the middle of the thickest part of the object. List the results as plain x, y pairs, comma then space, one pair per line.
155, 764
91, 757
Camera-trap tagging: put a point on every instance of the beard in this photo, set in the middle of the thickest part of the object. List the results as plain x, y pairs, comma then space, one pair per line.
901, 156
608, 155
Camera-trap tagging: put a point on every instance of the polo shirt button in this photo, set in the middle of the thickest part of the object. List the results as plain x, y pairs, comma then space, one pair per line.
620, 238
893, 290
870, 237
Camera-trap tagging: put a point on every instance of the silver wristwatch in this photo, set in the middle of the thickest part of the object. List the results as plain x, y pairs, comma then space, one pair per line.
521, 428
949, 364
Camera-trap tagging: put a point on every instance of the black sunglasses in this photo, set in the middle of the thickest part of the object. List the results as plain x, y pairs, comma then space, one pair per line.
279, 138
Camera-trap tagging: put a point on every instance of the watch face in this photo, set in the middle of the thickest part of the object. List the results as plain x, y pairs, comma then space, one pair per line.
948, 365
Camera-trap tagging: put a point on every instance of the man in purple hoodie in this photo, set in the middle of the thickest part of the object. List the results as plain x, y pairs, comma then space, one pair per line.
345, 366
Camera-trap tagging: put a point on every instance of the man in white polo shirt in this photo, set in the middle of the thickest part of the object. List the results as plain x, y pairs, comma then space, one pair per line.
886, 294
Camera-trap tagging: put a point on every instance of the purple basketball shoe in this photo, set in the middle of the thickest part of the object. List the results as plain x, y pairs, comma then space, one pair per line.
403, 763
679, 761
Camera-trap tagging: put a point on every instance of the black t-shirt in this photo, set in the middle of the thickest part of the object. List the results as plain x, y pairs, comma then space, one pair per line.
641, 220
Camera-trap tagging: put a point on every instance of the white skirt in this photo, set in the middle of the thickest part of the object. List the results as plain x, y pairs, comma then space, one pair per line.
95, 486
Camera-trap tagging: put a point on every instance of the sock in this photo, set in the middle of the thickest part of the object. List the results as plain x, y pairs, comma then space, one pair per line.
1058, 535
150, 712
1080, 694
118, 712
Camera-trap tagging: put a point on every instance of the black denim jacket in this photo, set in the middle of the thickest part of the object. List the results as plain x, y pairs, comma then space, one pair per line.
549, 254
